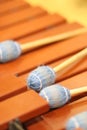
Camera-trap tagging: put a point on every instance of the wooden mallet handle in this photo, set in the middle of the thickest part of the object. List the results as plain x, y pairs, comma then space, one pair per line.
78, 91
60, 69
49, 40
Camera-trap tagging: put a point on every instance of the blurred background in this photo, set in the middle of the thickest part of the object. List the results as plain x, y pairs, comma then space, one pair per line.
72, 10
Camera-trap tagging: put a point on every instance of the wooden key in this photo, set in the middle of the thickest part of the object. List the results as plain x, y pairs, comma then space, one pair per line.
20, 16
11, 5
24, 106
11, 85
29, 27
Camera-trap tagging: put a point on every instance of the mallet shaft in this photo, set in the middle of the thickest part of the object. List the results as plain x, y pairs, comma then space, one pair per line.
78, 91
49, 40
60, 69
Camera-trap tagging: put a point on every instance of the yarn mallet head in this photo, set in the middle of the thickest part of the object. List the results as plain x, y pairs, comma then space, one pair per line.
44, 76
58, 95
77, 121
10, 50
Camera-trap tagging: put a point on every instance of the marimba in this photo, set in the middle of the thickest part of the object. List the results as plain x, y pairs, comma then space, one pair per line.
21, 22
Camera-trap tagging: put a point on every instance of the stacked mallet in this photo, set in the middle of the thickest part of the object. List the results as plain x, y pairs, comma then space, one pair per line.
57, 95
10, 50
77, 121
44, 76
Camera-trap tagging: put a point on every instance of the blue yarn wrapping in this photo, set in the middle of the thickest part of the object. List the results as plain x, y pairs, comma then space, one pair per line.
41, 77
9, 50
78, 121
56, 95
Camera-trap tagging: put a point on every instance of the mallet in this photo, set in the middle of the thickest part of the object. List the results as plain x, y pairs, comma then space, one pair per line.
44, 76
57, 95
10, 50
77, 121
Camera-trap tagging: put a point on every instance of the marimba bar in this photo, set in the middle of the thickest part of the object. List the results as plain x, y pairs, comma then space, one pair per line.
25, 23
20, 15
9, 6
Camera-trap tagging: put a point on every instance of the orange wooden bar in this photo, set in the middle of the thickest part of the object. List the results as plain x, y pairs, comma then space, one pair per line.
24, 23
10, 86
61, 28
29, 27
24, 106
20, 15
11, 5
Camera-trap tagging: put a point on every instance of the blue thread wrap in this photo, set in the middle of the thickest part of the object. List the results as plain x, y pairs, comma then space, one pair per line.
56, 95
78, 121
41, 77
9, 50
